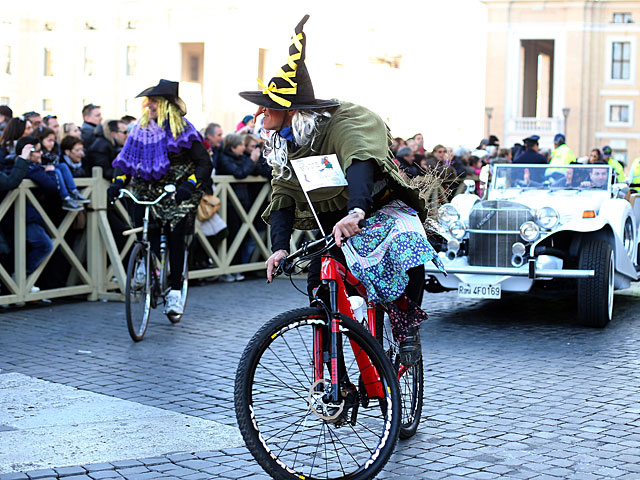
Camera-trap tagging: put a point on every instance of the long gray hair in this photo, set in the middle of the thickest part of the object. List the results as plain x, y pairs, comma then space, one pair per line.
304, 125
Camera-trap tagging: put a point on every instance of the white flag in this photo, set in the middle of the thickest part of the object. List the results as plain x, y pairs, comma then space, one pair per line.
319, 171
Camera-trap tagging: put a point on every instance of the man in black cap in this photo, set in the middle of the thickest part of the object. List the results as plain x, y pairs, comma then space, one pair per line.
531, 153
303, 126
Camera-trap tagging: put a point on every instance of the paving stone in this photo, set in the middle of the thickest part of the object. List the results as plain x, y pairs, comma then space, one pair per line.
68, 471
37, 474
97, 467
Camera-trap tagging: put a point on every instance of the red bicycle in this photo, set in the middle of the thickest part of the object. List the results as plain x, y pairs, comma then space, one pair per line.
317, 390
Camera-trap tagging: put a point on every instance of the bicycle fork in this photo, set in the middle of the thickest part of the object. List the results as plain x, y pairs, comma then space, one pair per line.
368, 372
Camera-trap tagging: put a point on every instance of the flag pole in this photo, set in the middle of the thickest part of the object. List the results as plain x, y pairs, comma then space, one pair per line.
314, 213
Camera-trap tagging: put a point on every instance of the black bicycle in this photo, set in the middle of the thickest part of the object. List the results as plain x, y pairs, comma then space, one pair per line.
148, 275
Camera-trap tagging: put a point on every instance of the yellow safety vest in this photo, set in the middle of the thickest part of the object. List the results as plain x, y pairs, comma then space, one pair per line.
635, 171
618, 168
561, 155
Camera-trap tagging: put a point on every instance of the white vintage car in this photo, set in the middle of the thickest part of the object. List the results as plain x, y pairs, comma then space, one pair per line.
542, 224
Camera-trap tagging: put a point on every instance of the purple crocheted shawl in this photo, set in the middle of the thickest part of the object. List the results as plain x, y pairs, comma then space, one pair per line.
146, 151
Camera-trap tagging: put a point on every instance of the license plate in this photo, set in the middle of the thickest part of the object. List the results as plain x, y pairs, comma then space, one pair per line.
466, 290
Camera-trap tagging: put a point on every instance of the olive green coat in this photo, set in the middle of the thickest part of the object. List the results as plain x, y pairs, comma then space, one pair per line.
352, 133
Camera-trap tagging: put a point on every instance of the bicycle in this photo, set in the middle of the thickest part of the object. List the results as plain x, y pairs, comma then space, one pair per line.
148, 276
299, 424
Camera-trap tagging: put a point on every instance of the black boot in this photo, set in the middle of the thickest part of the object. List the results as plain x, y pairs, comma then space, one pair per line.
410, 347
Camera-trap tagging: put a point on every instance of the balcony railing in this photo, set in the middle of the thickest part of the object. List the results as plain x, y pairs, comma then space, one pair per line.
535, 125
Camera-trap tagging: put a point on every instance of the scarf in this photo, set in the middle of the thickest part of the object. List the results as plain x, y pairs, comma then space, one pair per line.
146, 151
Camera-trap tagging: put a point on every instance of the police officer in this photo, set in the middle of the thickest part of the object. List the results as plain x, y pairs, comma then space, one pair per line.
531, 154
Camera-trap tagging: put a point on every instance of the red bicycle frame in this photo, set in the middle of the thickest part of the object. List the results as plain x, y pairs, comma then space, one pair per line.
334, 275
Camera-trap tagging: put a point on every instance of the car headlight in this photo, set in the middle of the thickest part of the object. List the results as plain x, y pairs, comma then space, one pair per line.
457, 229
529, 231
547, 217
448, 214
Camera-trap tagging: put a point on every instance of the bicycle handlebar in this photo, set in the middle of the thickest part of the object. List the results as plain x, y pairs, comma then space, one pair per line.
124, 191
306, 249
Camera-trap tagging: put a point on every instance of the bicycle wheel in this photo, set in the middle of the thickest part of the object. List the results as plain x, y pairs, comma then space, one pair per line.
183, 290
138, 293
410, 379
280, 410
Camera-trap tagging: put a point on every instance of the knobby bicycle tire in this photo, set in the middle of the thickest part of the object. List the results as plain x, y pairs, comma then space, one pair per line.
410, 379
275, 409
138, 295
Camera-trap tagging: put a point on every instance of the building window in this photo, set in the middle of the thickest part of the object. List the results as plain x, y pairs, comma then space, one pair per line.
49, 27
623, 17
6, 59
194, 68
47, 105
132, 24
132, 60
620, 60
619, 113
88, 61
4, 100
48, 62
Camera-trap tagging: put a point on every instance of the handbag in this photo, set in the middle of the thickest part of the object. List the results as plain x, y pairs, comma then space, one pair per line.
208, 207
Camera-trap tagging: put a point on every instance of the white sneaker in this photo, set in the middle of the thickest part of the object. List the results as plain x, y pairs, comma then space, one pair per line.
35, 289
140, 277
228, 277
173, 303
239, 277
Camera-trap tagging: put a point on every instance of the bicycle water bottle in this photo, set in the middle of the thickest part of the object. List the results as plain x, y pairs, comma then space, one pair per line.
359, 307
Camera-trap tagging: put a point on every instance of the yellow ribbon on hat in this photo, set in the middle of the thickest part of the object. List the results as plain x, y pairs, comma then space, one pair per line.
272, 89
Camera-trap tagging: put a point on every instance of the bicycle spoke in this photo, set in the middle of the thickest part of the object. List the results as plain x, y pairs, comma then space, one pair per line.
312, 436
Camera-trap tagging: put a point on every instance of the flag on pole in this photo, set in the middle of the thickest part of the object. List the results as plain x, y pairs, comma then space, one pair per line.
318, 172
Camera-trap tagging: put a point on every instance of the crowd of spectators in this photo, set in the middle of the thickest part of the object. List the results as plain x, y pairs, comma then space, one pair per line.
54, 154
451, 166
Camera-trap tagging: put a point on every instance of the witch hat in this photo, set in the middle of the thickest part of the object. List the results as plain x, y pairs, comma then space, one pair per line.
291, 88
168, 90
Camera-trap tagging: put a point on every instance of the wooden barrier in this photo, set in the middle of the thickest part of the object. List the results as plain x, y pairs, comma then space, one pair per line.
96, 264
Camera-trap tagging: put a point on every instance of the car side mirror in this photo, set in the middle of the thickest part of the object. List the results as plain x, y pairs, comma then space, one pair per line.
471, 186
620, 190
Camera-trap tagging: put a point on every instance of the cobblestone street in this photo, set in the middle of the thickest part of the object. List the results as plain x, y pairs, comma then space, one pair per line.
513, 388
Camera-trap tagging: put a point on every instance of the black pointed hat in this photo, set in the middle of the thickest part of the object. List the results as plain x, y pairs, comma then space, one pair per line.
168, 90
291, 88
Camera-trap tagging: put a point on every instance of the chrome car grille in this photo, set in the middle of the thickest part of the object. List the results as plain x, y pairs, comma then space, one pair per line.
494, 226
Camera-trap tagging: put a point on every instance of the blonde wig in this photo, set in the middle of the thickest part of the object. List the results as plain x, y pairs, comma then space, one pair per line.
166, 111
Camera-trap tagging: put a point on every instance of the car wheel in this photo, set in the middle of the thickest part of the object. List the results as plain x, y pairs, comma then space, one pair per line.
595, 294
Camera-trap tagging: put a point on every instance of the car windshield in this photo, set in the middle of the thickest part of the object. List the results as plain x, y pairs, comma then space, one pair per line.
582, 177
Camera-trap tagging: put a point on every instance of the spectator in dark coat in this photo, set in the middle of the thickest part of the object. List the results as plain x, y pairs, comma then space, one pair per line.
406, 162
92, 117
38, 242
110, 137
72, 155
234, 162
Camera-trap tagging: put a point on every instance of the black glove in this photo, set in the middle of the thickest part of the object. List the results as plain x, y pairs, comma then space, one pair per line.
114, 190
184, 192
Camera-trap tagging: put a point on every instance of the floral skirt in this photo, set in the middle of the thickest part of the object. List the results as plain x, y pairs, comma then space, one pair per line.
392, 242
